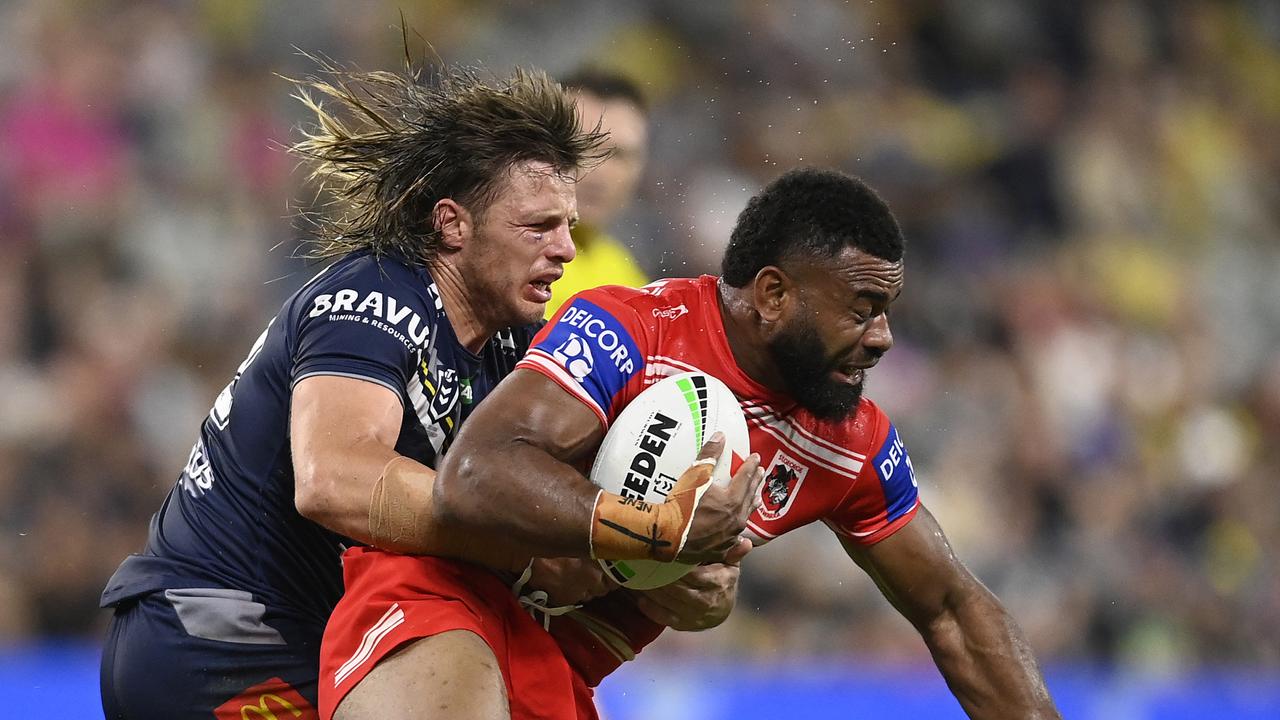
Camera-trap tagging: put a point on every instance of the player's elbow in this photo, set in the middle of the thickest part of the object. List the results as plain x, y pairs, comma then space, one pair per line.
456, 497
313, 493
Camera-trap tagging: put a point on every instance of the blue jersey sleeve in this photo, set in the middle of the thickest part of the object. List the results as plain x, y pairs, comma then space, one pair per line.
591, 348
366, 323
886, 495
896, 475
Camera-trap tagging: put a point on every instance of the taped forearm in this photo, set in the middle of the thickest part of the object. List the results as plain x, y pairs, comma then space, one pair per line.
624, 528
402, 518
400, 507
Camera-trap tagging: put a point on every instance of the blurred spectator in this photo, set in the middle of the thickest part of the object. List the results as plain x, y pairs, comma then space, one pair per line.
615, 103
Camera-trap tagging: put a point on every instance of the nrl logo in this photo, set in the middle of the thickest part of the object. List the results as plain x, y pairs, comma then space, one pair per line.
447, 390
671, 313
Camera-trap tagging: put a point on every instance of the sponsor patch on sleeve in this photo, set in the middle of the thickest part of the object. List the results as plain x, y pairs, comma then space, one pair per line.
593, 348
897, 477
374, 309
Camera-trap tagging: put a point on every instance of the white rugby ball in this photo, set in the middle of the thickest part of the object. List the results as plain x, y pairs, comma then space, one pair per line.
653, 441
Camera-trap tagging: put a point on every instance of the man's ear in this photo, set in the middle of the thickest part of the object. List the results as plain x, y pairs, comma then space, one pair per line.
772, 292
453, 222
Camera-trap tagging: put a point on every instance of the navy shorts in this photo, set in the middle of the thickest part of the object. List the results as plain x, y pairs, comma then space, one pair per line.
208, 653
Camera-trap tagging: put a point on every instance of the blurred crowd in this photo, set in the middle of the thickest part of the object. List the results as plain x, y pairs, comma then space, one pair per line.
1087, 368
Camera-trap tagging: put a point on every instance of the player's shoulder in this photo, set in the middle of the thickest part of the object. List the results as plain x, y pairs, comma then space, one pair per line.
869, 424
869, 417
615, 295
374, 272
381, 292
377, 282
874, 435
658, 300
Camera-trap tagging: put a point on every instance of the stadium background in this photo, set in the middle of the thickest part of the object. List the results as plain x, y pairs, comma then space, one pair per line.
1087, 369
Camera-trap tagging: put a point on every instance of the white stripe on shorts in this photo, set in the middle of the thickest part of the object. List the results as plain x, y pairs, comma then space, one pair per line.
372, 637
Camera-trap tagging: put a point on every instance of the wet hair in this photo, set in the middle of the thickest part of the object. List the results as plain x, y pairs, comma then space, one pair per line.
606, 85
809, 212
402, 142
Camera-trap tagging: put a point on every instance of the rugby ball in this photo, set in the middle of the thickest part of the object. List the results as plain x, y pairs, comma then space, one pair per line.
653, 441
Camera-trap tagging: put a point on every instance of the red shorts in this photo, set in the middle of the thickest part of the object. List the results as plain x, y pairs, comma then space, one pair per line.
394, 599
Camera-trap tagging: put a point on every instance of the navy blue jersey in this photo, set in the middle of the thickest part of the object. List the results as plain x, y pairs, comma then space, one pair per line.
230, 521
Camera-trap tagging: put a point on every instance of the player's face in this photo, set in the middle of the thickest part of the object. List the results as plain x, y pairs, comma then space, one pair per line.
521, 244
839, 328
608, 188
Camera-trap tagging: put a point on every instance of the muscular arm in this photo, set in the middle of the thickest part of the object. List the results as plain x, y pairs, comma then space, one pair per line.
342, 433
506, 491
510, 470
511, 476
976, 644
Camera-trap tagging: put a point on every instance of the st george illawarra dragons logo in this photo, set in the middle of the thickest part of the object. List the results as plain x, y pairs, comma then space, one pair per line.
782, 484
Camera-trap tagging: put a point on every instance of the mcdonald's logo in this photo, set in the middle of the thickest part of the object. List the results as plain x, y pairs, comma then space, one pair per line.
273, 699
262, 711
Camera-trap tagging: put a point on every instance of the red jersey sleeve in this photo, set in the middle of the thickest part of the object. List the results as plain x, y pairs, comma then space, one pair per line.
885, 496
593, 349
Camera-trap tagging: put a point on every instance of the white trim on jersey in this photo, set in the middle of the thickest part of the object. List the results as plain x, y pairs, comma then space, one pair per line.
545, 361
316, 277
848, 533
436, 435
681, 365
826, 450
417, 396
764, 535
655, 370
760, 410
390, 621
354, 376
417, 392
806, 450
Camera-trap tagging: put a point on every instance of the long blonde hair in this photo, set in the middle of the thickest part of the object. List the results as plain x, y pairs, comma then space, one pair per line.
407, 142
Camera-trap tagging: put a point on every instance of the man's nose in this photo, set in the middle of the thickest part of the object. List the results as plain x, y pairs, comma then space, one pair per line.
878, 338
561, 247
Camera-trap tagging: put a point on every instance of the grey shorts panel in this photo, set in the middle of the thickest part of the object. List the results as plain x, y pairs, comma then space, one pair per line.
225, 615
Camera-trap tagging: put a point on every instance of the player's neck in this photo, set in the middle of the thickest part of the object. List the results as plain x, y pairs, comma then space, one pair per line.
461, 306
742, 328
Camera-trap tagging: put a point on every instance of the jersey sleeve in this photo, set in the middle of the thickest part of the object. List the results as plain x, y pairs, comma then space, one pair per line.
592, 349
373, 331
885, 496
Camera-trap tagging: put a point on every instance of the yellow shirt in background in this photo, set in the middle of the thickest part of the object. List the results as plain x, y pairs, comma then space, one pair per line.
601, 260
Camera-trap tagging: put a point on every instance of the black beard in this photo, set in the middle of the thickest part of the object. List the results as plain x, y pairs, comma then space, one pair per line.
802, 362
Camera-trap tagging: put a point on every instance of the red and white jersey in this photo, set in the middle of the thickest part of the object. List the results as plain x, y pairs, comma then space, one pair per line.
607, 344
